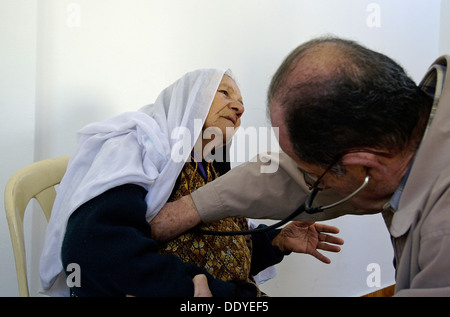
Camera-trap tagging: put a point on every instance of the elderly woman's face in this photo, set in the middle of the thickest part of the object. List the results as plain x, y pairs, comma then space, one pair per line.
226, 109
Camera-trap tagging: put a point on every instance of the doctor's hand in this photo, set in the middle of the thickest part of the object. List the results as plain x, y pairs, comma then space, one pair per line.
308, 237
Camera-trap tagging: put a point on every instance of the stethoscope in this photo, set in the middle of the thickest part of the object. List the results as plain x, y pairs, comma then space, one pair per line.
305, 207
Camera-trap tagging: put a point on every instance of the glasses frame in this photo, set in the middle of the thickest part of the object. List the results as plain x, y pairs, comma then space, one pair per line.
316, 184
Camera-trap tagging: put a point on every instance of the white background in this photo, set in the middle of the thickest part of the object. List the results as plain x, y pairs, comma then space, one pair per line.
64, 64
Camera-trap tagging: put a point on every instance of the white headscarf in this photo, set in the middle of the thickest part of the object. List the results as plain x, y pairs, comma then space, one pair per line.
132, 148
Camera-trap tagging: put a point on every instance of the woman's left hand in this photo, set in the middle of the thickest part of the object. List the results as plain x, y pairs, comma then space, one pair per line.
308, 237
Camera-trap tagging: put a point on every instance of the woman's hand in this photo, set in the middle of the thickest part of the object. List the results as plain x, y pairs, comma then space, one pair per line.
201, 288
308, 237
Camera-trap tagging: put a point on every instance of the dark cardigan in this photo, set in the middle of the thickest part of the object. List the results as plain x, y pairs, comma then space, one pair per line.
110, 239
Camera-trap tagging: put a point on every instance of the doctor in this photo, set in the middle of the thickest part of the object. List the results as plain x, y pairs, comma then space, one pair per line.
347, 114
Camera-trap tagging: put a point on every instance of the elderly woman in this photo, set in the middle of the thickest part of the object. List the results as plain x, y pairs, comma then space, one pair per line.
123, 172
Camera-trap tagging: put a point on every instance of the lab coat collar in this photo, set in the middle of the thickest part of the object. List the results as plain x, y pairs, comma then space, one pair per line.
421, 177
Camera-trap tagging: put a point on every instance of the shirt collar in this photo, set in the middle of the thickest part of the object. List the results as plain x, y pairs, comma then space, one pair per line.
395, 199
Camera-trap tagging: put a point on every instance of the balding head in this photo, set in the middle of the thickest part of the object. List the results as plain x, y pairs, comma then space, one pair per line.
319, 59
331, 94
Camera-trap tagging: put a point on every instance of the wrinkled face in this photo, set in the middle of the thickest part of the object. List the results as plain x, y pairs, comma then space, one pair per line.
226, 109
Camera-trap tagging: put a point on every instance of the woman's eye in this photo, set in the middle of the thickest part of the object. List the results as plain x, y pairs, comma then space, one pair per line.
223, 92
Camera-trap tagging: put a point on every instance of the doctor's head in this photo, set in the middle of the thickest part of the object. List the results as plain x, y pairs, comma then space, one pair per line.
345, 112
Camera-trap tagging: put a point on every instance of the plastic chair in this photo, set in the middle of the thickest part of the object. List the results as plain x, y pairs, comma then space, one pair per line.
36, 181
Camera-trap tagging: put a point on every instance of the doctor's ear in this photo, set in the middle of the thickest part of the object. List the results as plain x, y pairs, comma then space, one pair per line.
372, 159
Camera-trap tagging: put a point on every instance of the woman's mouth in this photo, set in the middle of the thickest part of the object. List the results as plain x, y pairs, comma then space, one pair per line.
233, 120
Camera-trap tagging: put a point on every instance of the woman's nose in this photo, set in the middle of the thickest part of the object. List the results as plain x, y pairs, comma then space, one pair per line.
237, 107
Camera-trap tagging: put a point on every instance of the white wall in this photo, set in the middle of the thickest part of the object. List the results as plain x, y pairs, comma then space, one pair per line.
444, 42
17, 104
89, 60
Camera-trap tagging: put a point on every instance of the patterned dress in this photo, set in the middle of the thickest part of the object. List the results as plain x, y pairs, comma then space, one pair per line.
225, 257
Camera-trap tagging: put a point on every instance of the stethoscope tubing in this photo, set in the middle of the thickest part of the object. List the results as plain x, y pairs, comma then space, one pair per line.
305, 207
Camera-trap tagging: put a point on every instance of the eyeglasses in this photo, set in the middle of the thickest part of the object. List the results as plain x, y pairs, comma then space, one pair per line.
314, 182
